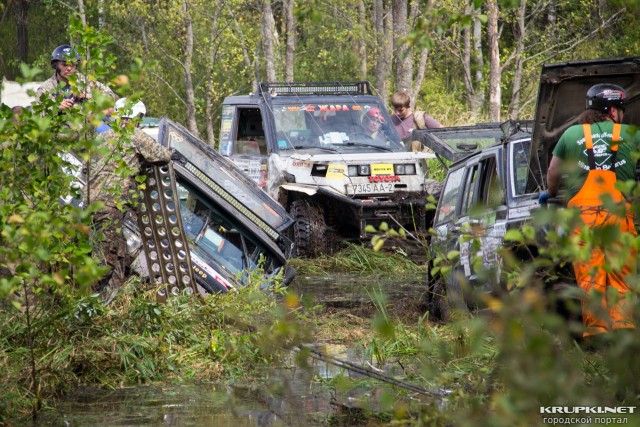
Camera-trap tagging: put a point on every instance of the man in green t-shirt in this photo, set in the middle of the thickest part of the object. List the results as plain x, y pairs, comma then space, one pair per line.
595, 154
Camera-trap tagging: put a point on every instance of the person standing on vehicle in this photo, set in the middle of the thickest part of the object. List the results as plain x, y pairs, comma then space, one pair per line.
111, 173
405, 120
65, 61
596, 154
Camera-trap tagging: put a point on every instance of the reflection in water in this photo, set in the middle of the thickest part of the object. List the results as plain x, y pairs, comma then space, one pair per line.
350, 290
175, 405
286, 397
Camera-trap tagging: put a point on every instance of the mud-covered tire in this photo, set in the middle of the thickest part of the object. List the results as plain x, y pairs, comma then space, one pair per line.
446, 296
438, 305
309, 229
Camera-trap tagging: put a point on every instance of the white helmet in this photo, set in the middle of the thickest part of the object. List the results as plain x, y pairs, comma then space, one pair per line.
130, 111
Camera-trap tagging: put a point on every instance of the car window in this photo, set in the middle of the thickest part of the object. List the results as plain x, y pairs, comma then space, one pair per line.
449, 197
215, 237
470, 189
300, 125
482, 190
520, 168
492, 190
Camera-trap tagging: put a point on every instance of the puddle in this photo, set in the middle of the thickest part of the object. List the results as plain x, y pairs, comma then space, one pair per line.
348, 290
172, 405
285, 397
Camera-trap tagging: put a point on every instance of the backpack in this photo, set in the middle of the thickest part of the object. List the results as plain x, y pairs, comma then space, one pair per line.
418, 119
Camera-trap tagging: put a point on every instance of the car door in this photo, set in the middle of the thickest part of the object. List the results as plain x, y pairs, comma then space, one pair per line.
482, 218
448, 211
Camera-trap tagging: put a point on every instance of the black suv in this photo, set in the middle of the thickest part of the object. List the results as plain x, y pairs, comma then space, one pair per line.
204, 226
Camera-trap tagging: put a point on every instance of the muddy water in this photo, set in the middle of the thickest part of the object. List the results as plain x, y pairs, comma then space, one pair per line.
353, 290
285, 397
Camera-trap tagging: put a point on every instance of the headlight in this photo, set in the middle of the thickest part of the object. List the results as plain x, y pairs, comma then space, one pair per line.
134, 242
364, 170
409, 169
353, 171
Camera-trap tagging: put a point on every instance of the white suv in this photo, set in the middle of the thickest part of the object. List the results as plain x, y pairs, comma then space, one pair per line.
308, 145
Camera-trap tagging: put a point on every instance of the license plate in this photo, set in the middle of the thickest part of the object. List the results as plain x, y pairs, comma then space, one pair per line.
370, 188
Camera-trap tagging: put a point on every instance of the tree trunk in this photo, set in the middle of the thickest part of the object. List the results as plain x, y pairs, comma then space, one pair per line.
475, 103
516, 85
419, 77
494, 60
466, 69
209, 106
380, 79
291, 39
362, 43
100, 14
245, 51
387, 51
82, 13
267, 30
22, 33
401, 56
187, 52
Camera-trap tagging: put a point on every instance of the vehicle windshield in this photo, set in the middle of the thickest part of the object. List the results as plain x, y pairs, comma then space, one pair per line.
343, 127
215, 237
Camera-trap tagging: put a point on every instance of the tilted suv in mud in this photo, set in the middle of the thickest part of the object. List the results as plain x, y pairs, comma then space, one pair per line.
203, 225
307, 145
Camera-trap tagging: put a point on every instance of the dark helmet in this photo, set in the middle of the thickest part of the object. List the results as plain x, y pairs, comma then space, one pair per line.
602, 96
64, 53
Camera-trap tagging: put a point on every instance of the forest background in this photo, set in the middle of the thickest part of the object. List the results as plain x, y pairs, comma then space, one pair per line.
463, 61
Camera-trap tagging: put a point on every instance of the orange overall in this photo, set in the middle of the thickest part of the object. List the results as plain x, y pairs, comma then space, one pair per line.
590, 275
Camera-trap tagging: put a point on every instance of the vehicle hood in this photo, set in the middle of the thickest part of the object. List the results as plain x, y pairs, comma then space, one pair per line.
562, 96
225, 183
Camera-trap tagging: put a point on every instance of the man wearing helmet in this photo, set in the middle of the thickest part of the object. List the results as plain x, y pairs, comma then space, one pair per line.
111, 173
372, 122
595, 154
65, 61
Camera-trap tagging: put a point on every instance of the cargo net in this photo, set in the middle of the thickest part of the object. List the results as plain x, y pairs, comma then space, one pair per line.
163, 237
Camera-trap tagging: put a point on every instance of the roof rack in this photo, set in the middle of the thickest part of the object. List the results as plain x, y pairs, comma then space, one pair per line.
321, 88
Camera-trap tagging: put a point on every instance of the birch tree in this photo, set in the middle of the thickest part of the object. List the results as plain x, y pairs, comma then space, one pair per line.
291, 39
268, 31
495, 72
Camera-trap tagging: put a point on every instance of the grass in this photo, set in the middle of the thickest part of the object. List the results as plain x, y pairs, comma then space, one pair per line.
357, 259
495, 371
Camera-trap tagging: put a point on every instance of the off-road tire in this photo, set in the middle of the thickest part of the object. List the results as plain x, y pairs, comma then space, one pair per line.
310, 232
438, 305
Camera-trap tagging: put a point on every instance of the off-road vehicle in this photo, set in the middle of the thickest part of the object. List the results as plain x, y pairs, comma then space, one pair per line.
484, 195
493, 189
308, 146
203, 225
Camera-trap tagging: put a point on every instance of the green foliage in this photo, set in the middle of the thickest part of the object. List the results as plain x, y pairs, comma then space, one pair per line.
77, 340
356, 259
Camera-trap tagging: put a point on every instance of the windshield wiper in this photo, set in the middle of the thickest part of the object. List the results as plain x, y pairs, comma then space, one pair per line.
364, 144
300, 147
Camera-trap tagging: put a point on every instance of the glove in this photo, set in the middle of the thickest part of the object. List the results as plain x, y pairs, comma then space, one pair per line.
543, 198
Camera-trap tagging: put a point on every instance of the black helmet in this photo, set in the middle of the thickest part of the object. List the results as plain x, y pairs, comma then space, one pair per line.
64, 53
602, 96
